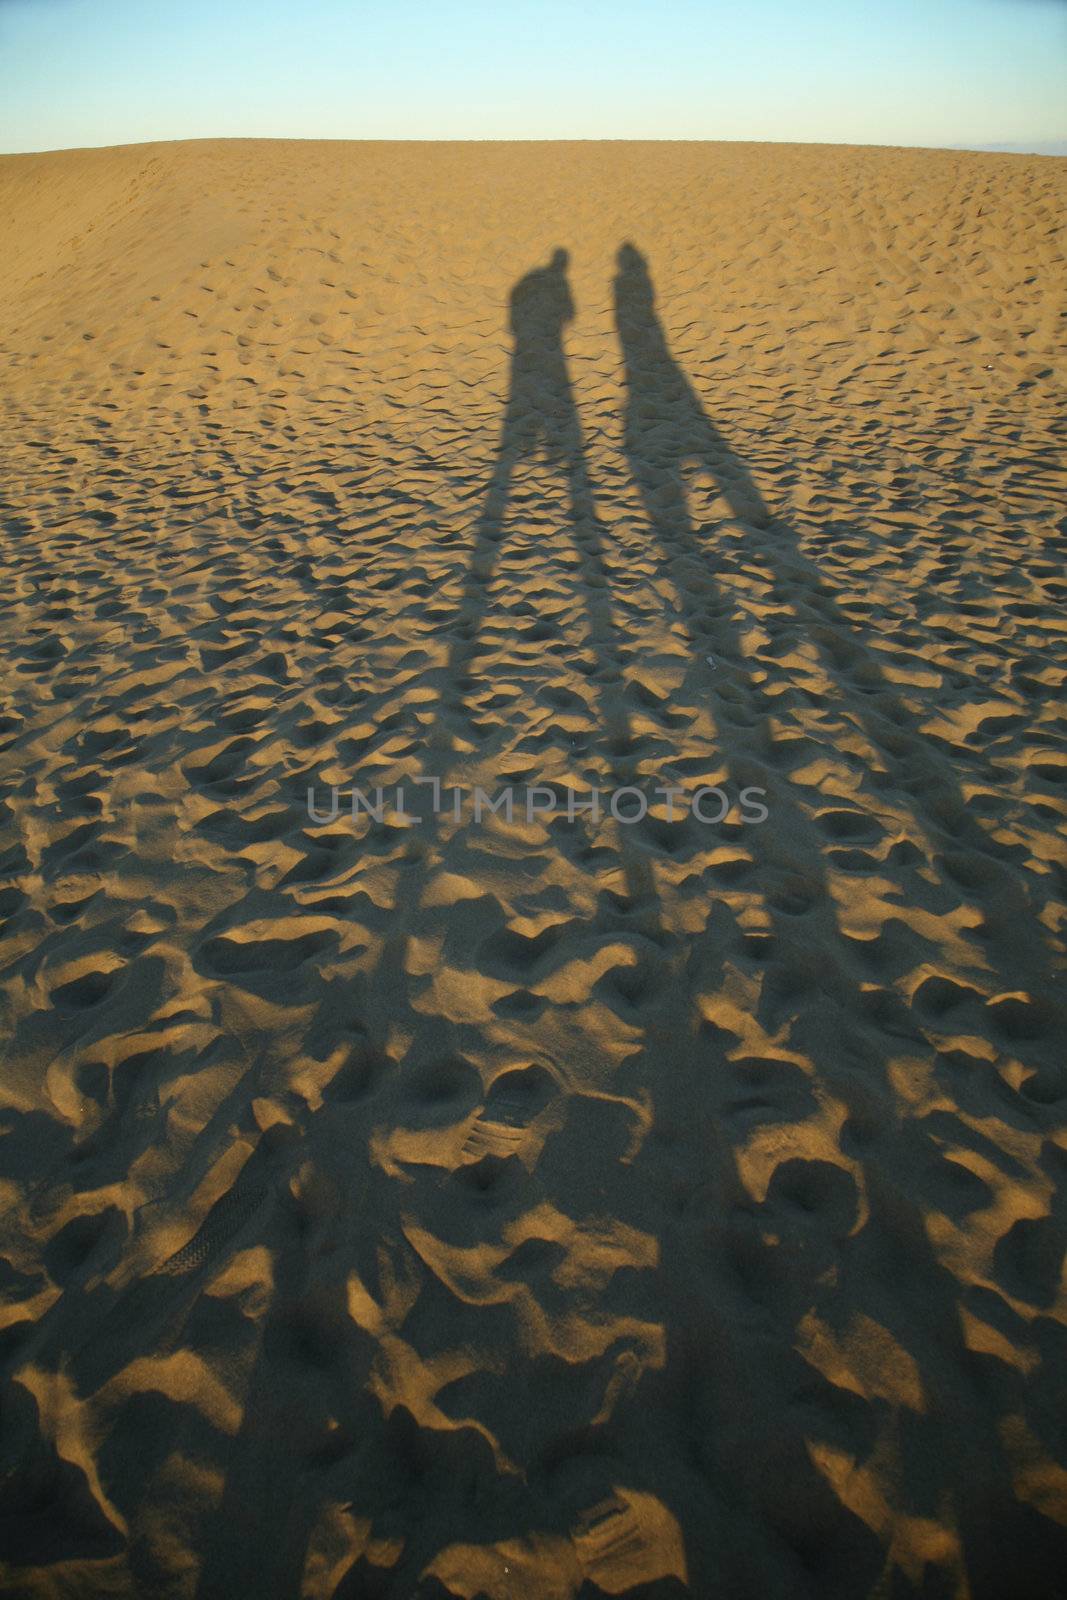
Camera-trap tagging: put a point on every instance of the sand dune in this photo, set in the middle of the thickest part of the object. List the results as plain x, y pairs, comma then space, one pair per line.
524, 1209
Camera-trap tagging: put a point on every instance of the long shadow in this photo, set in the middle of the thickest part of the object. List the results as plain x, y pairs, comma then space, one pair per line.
582, 1472
540, 420
734, 1387
541, 417
810, 1208
672, 1062
667, 434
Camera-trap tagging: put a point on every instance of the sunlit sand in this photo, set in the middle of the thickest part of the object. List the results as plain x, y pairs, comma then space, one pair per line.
569, 1204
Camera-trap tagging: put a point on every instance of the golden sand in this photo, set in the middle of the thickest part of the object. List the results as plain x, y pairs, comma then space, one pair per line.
519, 1210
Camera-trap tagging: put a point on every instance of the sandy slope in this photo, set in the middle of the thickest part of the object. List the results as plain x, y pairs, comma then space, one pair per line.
430, 1208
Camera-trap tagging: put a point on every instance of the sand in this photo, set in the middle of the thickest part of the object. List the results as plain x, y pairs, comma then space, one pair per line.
409, 1205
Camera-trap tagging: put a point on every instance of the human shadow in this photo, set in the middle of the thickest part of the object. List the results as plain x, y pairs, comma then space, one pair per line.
285, 1446
541, 424
540, 414
541, 404
540, 417
667, 434
817, 1249
612, 1470
390, 1136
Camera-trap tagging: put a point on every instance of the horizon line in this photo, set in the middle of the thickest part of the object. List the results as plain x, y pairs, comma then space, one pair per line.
1055, 149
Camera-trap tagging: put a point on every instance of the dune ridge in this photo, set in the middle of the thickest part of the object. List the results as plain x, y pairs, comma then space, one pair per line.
557, 1206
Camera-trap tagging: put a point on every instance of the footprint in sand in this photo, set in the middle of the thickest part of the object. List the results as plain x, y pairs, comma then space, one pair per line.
511, 1121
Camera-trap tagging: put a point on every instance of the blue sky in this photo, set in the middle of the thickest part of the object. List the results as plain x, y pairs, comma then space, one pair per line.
920, 72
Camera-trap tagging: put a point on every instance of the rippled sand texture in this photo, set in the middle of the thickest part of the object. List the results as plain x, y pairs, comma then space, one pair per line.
566, 1208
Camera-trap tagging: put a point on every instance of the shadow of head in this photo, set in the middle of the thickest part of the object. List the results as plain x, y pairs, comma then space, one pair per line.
541, 303
633, 281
